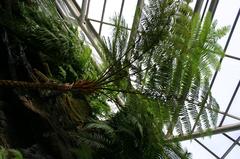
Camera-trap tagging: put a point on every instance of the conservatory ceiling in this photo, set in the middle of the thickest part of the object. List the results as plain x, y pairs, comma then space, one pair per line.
94, 18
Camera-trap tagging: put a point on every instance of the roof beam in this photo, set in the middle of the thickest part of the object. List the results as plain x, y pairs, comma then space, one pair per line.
136, 21
83, 11
87, 27
198, 134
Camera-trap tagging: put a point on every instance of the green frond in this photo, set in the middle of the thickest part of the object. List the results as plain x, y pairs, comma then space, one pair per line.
179, 127
213, 108
101, 126
185, 119
41, 27
10, 153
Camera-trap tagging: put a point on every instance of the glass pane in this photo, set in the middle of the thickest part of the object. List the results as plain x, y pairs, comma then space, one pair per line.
228, 121
234, 154
226, 82
107, 30
112, 8
192, 4
234, 47
222, 142
235, 109
234, 134
96, 25
129, 11
196, 149
79, 2
95, 9
203, 6
225, 14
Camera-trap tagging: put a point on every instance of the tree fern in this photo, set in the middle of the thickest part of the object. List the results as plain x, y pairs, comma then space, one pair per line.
188, 56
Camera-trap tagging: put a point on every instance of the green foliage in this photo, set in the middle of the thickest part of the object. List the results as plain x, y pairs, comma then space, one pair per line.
180, 53
99, 106
116, 53
10, 154
83, 152
116, 46
40, 26
130, 134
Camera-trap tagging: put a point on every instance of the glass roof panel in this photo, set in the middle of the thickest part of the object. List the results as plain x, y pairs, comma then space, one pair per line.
226, 82
230, 9
112, 8
193, 3
204, 5
96, 25
234, 134
228, 121
106, 30
213, 141
129, 11
235, 152
235, 108
196, 149
234, 47
79, 2
95, 9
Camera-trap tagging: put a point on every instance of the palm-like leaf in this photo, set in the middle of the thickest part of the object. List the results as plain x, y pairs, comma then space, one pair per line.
180, 63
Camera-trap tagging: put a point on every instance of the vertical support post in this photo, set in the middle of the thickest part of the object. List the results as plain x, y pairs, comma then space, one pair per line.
136, 21
83, 11
88, 5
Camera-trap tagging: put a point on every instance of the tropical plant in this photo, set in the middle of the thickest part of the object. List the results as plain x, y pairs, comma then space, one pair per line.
133, 132
180, 56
